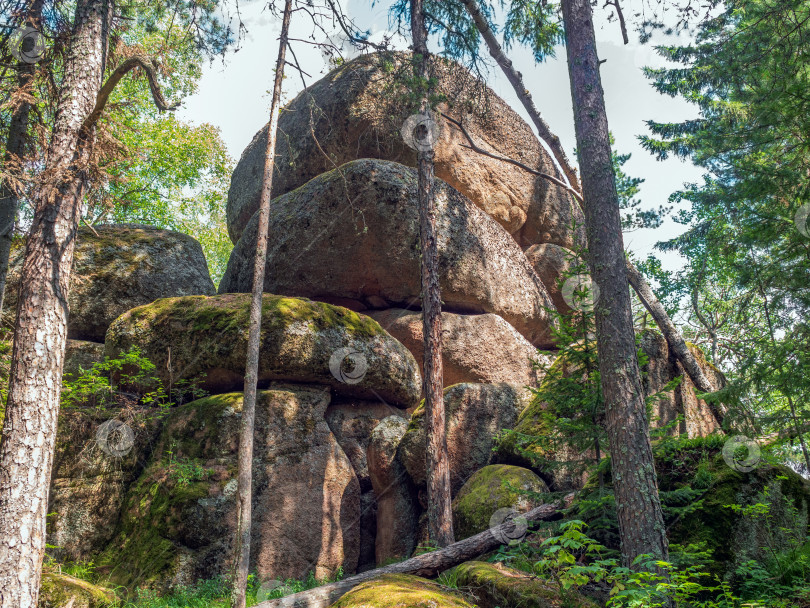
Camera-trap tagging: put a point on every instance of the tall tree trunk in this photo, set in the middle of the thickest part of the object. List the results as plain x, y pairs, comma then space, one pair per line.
641, 523
15, 150
29, 433
244, 496
440, 518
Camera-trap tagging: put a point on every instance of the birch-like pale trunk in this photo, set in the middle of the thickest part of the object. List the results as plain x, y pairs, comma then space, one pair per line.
40, 335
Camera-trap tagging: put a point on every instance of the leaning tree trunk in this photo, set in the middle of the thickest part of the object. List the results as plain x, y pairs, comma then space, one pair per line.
244, 496
15, 150
29, 433
440, 518
640, 286
515, 78
641, 523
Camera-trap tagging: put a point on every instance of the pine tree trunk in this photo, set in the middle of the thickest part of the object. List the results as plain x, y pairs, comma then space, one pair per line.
15, 150
440, 518
641, 524
244, 496
29, 433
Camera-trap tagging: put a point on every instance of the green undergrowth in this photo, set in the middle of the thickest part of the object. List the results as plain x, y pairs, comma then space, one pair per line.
210, 593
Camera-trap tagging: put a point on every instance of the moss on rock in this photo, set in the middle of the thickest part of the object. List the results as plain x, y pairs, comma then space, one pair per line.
178, 521
498, 586
497, 486
301, 341
60, 590
401, 591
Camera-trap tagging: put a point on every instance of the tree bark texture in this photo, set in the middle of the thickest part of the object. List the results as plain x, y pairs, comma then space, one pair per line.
15, 151
440, 518
29, 433
244, 496
641, 524
427, 564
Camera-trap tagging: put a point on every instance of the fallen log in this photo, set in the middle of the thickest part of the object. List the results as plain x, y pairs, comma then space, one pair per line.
427, 564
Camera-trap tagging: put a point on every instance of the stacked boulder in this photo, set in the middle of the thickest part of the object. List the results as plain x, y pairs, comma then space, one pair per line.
339, 465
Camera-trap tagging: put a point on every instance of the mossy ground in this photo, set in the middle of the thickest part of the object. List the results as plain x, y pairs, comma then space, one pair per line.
60, 590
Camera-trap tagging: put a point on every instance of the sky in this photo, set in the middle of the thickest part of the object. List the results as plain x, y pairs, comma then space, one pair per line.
234, 96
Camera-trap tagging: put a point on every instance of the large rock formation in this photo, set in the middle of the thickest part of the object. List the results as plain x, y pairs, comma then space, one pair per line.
535, 441
352, 423
483, 349
93, 466
357, 111
660, 369
302, 341
552, 262
179, 518
351, 236
121, 266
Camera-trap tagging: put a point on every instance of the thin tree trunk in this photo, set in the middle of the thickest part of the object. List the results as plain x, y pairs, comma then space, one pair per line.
440, 518
15, 151
244, 496
427, 564
29, 433
516, 79
641, 523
